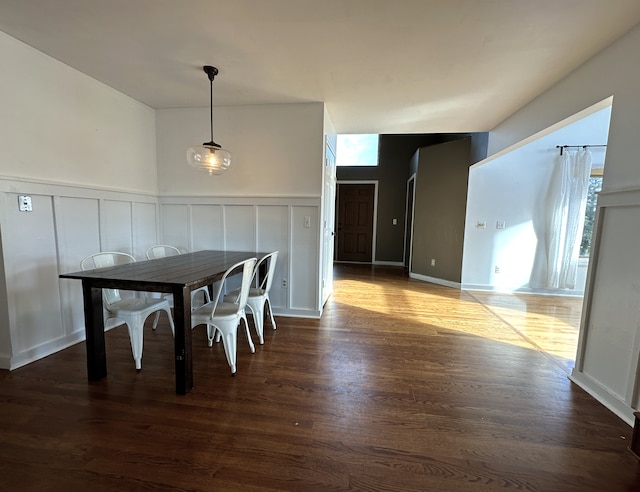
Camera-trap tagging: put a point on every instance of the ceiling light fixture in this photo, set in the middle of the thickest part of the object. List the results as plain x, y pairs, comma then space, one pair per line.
210, 156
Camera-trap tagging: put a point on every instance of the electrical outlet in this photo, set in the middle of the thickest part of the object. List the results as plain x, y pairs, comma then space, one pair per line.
497, 269
24, 203
284, 283
433, 262
500, 224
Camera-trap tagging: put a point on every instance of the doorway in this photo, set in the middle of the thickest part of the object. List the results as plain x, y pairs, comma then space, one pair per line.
355, 214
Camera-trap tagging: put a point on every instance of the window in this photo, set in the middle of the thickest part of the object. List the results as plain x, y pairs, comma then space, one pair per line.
595, 185
357, 150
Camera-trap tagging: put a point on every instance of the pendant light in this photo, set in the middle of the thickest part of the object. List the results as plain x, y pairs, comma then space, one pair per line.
210, 156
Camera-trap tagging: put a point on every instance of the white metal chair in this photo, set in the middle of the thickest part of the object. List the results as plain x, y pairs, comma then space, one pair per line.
259, 293
223, 317
162, 251
133, 311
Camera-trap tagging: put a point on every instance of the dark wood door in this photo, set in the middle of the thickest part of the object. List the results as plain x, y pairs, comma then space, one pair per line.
355, 222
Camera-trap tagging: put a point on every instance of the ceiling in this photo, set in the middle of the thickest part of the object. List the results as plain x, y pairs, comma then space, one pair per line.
381, 66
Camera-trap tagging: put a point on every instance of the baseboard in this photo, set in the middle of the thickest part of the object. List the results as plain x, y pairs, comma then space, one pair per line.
297, 313
389, 263
523, 290
375, 262
434, 280
604, 396
41, 351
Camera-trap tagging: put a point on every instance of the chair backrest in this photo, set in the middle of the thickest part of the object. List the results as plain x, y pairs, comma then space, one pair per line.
103, 260
265, 284
162, 251
247, 274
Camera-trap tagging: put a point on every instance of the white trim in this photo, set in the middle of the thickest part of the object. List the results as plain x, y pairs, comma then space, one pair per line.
374, 182
34, 187
41, 183
44, 350
522, 290
297, 313
311, 200
434, 280
600, 393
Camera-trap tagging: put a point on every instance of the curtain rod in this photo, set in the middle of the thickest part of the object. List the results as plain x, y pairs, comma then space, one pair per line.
562, 147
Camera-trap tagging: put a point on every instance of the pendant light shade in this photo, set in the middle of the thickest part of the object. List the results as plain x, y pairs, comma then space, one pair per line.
210, 156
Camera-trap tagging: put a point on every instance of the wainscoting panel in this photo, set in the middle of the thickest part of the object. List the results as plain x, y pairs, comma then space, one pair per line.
29, 238
607, 362
305, 249
285, 224
207, 227
145, 227
240, 227
176, 226
75, 243
44, 313
116, 226
273, 227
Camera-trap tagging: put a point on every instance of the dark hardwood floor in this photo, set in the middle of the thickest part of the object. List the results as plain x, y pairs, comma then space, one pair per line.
401, 386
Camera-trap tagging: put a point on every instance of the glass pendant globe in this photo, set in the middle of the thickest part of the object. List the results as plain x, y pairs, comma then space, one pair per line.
213, 160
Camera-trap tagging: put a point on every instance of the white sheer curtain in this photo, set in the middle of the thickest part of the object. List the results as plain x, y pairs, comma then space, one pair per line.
568, 200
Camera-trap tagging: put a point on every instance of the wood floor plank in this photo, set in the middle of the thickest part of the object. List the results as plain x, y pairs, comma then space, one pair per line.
401, 386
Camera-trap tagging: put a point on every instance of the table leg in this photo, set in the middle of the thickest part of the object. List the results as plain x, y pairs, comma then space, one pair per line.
182, 340
94, 331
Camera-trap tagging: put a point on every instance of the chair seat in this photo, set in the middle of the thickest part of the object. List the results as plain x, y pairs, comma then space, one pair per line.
223, 309
137, 304
253, 292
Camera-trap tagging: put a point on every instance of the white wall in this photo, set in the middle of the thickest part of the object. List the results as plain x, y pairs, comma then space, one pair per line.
60, 125
607, 362
512, 188
276, 150
85, 153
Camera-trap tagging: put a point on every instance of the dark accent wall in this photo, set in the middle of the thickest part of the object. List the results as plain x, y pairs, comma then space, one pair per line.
440, 209
393, 170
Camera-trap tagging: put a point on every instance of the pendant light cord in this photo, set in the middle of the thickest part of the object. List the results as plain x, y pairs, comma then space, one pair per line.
211, 73
211, 105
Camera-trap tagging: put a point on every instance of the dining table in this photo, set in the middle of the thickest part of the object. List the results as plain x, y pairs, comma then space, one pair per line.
178, 275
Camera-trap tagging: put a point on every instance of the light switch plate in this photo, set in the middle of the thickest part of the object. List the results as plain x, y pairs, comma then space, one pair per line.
24, 203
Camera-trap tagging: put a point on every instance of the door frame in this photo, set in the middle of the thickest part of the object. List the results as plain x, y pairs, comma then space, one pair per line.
328, 221
374, 229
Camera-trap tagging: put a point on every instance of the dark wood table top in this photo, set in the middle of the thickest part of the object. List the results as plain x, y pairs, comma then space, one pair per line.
162, 274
